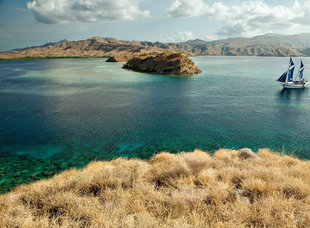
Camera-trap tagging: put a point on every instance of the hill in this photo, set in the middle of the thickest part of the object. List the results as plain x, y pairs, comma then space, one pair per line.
266, 45
93, 47
228, 189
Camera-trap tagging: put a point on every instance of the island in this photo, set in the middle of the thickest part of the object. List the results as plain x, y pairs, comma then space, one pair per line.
177, 64
102, 47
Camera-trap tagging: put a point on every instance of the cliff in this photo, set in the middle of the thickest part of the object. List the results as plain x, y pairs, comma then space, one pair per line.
228, 189
167, 64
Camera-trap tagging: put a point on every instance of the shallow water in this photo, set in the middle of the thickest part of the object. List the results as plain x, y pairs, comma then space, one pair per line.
63, 113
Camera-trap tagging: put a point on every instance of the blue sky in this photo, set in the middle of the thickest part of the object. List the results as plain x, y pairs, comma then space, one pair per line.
26, 23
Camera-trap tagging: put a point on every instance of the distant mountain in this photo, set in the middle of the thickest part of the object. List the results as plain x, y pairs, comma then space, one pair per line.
93, 47
271, 39
265, 45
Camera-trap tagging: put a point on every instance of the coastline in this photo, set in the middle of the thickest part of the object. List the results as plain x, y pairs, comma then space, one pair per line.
52, 57
102, 57
264, 45
230, 188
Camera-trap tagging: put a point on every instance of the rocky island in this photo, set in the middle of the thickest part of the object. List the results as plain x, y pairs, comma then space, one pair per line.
166, 63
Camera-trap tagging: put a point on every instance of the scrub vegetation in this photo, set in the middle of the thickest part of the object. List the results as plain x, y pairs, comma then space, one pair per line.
196, 189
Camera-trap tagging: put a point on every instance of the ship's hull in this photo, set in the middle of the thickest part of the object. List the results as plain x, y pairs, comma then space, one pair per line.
295, 85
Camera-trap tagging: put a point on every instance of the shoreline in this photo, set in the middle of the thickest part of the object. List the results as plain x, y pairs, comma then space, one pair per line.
102, 57
52, 57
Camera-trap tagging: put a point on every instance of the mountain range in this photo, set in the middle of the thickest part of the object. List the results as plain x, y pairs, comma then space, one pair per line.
265, 45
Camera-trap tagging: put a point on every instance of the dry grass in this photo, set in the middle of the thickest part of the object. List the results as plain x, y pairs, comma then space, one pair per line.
228, 189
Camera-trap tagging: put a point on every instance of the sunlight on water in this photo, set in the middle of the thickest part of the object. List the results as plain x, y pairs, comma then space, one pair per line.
63, 113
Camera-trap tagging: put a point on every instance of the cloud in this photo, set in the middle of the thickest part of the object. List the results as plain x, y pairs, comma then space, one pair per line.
246, 19
210, 37
180, 36
64, 11
183, 8
185, 36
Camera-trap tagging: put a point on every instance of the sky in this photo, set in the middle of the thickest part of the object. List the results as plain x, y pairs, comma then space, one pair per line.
25, 23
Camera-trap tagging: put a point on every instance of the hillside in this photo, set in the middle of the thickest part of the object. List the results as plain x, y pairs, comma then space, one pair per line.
266, 45
93, 47
228, 189
271, 39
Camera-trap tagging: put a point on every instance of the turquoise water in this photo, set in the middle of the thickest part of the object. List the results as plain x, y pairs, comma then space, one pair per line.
63, 113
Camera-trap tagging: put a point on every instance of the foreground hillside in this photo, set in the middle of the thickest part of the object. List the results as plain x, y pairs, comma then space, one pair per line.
228, 189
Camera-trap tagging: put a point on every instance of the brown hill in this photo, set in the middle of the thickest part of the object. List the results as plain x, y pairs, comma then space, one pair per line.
266, 45
167, 64
94, 47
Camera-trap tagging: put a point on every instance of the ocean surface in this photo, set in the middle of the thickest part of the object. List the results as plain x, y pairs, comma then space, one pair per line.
63, 113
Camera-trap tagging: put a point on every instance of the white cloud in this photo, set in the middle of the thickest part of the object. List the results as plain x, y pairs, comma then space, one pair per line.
210, 37
246, 19
63, 11
180, 36
183, 8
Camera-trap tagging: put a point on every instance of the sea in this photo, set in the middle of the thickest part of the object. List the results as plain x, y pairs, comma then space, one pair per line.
58, 114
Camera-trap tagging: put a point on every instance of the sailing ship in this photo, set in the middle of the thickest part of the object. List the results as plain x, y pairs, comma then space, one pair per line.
287, 78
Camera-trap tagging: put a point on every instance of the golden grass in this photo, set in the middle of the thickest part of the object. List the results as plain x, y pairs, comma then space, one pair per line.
228, 189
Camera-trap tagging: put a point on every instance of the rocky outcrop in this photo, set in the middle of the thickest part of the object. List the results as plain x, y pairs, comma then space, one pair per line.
167, 64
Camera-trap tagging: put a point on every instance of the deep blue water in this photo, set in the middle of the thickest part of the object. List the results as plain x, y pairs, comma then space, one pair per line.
63, 113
